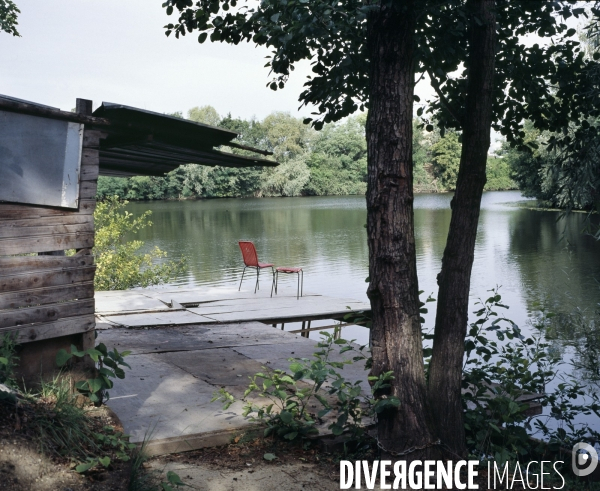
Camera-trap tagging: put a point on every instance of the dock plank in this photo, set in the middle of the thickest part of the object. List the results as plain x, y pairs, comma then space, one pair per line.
151, 319
148, 308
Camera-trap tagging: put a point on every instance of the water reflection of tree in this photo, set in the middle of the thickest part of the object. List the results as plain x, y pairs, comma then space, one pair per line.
560, 269
285, 230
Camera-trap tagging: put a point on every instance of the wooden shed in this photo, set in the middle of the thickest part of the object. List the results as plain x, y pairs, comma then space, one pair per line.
50, 161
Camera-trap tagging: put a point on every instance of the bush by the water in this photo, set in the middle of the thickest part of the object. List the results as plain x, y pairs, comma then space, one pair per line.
501, 365
119, 264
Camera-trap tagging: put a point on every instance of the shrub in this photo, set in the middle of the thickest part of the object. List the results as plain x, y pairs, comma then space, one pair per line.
119, 266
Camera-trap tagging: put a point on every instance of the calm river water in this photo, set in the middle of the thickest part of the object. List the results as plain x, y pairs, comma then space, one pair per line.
534, 258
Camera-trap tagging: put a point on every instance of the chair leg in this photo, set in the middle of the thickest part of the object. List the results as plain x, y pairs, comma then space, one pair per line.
244, 272
257, 278
298, 290
272, 282
302, 283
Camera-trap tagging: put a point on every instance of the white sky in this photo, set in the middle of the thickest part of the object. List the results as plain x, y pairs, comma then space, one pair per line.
116, 51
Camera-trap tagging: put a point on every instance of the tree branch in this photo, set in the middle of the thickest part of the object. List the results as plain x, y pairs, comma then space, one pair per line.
436, 86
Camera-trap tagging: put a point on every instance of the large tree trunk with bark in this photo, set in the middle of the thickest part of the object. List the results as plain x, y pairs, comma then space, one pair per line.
393, 289
445, 372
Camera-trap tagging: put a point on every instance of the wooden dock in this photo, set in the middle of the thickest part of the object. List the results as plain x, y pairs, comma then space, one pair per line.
175, 307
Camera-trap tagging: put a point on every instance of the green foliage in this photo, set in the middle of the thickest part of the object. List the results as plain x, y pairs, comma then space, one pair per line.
332, 161
143, 479
292, 396
8, 17
173, 481
446, 160
205, 115
65, 429
338, 160
333, 36
62, 425
109, 366
423, 179
118, 264
8, 360
498, 172
288, 179
561, 165
560, 178
498, 372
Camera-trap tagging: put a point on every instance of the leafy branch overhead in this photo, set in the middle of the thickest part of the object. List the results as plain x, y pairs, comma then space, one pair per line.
531, 81
8, 17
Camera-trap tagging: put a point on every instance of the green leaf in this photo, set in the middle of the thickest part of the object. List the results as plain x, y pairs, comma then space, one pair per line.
336, 429
269, 456
81, 468
174, 478
105, 461
3, 360
202, 37
62, 357
95, 384
286, 417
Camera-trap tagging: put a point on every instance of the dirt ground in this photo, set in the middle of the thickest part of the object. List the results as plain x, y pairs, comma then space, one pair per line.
24, 468
243, 466
248, 464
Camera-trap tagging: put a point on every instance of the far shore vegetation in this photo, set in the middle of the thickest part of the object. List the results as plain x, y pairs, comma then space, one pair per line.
330, 162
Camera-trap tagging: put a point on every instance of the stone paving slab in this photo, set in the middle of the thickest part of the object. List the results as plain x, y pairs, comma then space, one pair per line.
194, 337
147, 307
170, 318
131, 301
165, 397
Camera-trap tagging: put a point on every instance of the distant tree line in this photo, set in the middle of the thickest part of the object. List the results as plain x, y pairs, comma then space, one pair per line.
332, 161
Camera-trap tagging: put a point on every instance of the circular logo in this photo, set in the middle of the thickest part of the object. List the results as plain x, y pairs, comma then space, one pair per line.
584, 459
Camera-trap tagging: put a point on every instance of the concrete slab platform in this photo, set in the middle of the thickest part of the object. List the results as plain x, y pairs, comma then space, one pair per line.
208, 294
165, 397
146, 319
194, 337
146, 307
130, 301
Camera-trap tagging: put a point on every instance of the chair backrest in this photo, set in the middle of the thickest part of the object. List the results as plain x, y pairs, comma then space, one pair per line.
249, 253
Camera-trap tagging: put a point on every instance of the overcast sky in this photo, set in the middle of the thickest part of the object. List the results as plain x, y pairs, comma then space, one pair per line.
116, 51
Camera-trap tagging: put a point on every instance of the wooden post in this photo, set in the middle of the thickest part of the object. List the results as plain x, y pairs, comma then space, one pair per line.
83, 107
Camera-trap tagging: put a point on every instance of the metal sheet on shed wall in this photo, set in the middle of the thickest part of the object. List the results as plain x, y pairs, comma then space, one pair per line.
40, 160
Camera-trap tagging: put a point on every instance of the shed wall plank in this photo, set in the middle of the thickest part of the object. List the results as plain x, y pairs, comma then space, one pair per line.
45, 313
44, 296
10, 211
38, 228
46, 243
44, 279
87, 189
27, 265
48, 330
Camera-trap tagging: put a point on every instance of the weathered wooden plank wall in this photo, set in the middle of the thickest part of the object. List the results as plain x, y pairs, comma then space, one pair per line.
48, 296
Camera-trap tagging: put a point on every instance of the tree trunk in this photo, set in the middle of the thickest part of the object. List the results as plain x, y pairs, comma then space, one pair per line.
445, 372
393, 289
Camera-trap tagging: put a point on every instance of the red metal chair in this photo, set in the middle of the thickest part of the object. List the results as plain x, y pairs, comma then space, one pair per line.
285, 269
251, 261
